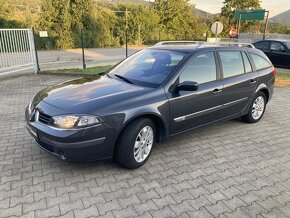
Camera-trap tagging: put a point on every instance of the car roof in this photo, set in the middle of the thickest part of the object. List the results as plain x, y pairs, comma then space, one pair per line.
273, 40
181, 48
192, 46
191, 49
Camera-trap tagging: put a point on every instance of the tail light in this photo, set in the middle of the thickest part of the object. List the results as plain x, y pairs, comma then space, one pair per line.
274, 71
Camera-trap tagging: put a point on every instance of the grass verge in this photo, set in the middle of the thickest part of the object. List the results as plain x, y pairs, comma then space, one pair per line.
75, 71
282, 77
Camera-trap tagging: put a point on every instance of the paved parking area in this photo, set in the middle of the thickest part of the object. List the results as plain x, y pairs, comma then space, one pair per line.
231, 169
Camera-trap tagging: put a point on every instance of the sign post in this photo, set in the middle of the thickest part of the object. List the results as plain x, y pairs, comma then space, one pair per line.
252, 15
217, 27
43, 34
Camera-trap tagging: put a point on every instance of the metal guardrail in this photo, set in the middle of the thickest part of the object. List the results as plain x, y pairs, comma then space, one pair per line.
204, 44
257, 37
17, 50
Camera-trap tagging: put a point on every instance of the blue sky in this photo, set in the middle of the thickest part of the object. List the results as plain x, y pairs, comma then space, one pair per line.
274, 6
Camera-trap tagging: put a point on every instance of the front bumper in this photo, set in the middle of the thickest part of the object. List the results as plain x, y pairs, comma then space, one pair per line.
87, 144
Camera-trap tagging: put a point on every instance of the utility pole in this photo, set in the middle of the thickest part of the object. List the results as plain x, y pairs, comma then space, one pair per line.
266, 25
139, 34
83, 50
126, 12
126, 17
36, 54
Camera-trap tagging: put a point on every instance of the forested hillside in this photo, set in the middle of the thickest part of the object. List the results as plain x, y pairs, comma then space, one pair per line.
102, 22
283, 18
102, 25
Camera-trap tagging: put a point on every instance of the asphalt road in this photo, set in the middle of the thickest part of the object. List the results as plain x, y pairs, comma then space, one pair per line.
72, 58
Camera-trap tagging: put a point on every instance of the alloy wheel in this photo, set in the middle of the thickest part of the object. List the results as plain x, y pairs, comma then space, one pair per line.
258, 108
143, 144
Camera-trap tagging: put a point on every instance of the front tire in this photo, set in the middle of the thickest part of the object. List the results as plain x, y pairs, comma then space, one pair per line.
257, 109
136, 143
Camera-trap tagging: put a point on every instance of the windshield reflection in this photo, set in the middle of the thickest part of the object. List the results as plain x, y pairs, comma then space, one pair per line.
149, 66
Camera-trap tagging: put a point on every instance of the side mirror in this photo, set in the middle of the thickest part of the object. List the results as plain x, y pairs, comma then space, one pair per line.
187, 86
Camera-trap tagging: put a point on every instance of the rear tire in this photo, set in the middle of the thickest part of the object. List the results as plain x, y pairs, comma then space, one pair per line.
257, 109
136, 143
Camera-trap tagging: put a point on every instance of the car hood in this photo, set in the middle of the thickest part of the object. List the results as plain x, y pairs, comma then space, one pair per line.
86, 95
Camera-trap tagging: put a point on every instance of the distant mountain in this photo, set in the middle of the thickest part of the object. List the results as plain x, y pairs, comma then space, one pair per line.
283, 18
203, 14
196, 12
122, 1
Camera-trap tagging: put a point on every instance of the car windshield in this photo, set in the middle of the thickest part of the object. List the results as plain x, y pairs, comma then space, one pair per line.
148, 67
287, 44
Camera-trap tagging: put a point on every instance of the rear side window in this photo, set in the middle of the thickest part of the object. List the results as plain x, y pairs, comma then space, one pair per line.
277, 46
262, 45
232, 63
260, 62
200, 69
248, 67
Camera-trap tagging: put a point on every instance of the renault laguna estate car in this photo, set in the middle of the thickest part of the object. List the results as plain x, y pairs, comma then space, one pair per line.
149, 97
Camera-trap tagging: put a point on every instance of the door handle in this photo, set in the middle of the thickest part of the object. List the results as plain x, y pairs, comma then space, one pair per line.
217, 91
253, 82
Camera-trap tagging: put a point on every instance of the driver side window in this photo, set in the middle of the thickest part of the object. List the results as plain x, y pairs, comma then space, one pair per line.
277, 46
200, 69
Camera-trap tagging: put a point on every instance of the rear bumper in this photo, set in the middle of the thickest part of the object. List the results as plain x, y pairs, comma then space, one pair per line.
89, 144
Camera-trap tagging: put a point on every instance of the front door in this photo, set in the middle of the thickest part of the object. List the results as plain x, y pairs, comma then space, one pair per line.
279, 54
190, 109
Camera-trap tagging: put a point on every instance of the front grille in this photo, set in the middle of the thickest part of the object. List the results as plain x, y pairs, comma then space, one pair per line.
44, 118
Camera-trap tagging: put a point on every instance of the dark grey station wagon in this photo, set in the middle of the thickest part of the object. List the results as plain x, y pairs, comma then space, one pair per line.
154, 94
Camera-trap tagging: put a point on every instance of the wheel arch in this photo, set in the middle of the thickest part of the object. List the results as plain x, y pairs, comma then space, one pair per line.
263, 88
161, 128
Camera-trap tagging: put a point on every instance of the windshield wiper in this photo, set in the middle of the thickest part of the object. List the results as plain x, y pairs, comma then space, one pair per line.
124, 78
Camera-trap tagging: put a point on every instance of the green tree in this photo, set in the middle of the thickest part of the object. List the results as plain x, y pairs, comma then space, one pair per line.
277, 28
81, 13
18, 13
227, 14
177, 20
65, 19
56, 19
140, 18
175, 17
104, 25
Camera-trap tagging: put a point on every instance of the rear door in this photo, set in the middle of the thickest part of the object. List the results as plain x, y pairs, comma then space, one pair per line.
239, 81
279, 54
190, 109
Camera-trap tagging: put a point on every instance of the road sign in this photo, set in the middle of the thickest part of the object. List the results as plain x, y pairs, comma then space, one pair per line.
233, 32
250, 15
43, 34
217, 27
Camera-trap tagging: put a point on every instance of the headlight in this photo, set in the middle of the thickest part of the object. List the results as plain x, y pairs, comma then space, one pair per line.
75, 121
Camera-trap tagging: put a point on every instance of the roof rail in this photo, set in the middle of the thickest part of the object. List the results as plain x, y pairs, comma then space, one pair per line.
204, 44
178, 42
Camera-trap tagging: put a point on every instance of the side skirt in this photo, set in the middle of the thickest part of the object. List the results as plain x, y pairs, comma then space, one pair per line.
208, 124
